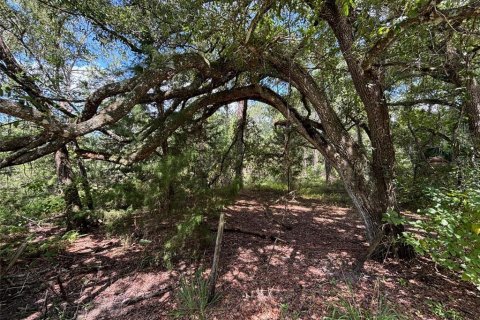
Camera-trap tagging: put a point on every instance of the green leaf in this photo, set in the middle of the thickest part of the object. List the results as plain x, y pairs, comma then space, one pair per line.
345, 8
383, 30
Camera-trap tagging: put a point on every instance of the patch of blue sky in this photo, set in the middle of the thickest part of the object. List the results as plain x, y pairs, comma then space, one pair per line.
278, 86
5, 118
114, 56
397, 92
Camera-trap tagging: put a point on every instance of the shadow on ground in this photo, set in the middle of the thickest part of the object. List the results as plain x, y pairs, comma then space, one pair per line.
296, 262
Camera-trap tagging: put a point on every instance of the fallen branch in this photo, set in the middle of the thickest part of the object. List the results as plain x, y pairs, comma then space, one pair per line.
15, 257
45, 304
153, 294
253, 233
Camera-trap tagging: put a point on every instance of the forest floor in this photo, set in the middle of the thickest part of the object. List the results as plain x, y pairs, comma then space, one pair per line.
293, 262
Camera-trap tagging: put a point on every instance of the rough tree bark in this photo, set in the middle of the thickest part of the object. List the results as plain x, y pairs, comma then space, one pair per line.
73, 204
380, 196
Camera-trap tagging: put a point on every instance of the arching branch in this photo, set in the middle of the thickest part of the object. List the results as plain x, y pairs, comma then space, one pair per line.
24, 112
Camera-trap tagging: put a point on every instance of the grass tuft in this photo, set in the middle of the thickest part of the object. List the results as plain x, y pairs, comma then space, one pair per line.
192, 297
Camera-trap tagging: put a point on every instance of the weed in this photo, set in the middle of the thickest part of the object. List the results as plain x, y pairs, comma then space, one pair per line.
192, 297
352, 311
350, 308
70, 236
403, 282
286, 313
438, 309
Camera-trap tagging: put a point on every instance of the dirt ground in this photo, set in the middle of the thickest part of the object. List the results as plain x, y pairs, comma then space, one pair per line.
295, 264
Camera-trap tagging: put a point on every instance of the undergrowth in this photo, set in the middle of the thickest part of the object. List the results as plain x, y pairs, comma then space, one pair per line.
349, 307
193, 297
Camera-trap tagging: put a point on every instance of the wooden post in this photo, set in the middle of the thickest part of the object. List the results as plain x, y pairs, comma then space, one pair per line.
216, 257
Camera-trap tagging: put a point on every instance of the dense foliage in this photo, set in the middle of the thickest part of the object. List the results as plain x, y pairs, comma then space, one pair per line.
450, 227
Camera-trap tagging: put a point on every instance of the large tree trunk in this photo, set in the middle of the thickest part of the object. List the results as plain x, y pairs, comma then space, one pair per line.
381, 195
365, 180
369, 88
73, 204
240, 141
384, 238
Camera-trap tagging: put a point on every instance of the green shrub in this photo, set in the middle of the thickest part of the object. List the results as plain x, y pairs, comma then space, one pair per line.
191, 235
17, 213
450, 231
438, 309
287, 313
116, 220
41, 206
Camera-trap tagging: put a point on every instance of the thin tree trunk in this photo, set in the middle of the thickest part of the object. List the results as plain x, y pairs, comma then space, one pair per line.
240, 141
315, 160
328, 170
288, 161
170, 185
453, 66
85, 184
84, 180
166, 152
305, 162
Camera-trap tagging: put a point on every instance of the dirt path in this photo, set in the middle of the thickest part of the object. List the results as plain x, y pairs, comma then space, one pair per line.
298, 270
